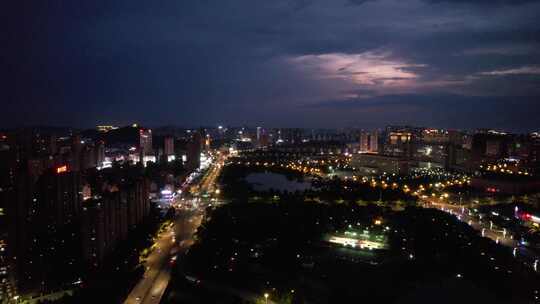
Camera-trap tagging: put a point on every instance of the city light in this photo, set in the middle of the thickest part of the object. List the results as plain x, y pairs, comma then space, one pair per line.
267, 152
62, 169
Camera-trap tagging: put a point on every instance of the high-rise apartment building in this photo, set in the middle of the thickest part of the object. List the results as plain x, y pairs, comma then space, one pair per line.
369, 142
194, 148
145, 141
168, 146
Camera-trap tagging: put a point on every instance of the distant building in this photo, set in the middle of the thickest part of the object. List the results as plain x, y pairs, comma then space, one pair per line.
168, 146
399, 144
435, 136
488, 146
105, 129
376, 164
259, 133
99, 150
194, 149
130, 144
458, 158
207, 142
262, 140
145, 141
505, 185
369, 142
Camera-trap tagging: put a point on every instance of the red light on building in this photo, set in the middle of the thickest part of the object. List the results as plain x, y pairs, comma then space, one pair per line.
61, 169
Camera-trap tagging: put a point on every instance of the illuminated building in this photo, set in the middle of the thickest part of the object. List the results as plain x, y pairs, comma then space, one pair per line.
361, 239
354, 243
99, 150
105, 129
207, 142
129, 144
145, 141
369, 142
435, 136
145, 146
264, 141
400, 140
399, 144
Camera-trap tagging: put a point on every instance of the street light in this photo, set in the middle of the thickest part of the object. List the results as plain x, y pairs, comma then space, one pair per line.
266, 295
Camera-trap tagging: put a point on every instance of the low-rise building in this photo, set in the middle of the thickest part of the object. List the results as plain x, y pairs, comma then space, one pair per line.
375, 164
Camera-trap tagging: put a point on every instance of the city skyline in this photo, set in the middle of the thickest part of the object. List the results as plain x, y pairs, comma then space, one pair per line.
283, 151
367, 64
134, 215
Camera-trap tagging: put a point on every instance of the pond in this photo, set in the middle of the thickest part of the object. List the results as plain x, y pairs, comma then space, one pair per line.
267, 180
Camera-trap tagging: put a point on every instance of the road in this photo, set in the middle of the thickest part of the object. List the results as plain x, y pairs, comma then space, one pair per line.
501, 236
177, 239
152, 285
463, 214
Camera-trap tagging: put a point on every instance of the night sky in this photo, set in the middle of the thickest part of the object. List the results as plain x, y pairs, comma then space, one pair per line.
320, 63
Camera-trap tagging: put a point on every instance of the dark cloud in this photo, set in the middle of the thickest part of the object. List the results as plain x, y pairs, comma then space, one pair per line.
483, 2
359, 2
260, 62
443, 110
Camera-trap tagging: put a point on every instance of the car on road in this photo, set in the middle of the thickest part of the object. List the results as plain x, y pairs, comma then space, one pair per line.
192, 279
